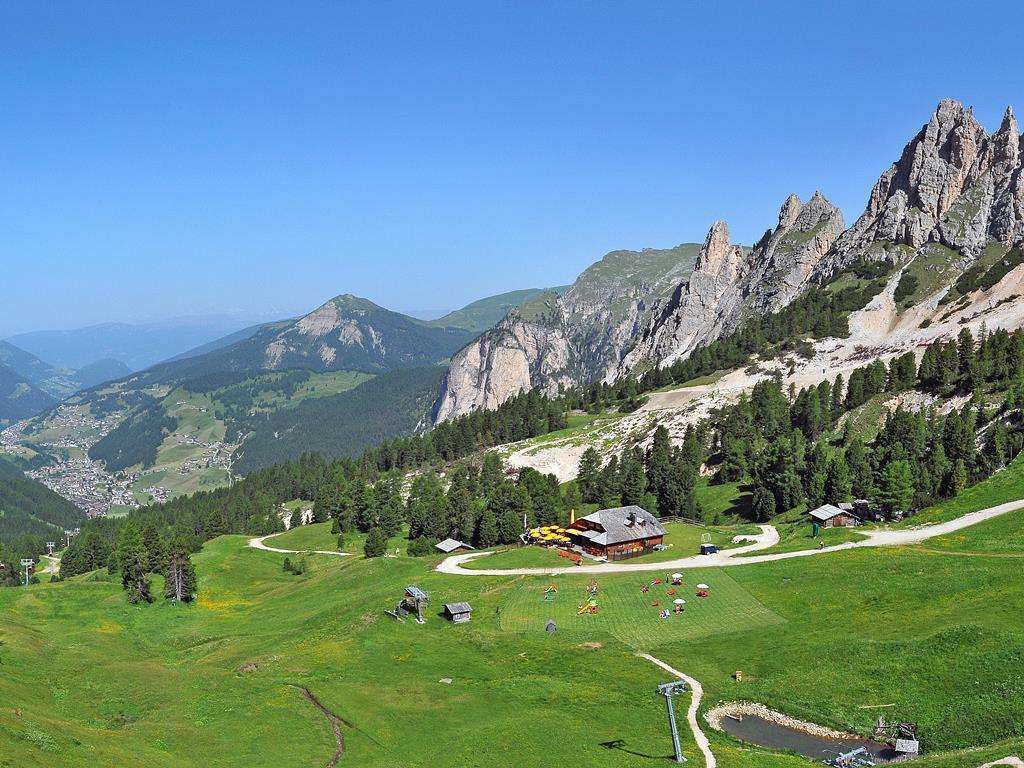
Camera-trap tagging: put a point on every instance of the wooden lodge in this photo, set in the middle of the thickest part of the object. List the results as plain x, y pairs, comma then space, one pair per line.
618, 533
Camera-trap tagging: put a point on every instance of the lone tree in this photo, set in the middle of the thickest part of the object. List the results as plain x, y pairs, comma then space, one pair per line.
133, 560
376, 543
181, 576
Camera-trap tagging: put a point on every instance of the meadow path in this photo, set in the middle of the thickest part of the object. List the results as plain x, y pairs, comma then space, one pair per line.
768, 538
259, 543
691, 713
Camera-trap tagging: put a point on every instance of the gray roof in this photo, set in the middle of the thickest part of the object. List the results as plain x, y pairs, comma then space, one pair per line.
617, 527
450, 545
416, 592
827, 512
457, 607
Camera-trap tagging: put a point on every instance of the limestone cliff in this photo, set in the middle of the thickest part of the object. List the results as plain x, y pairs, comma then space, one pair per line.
728, 282
555, 340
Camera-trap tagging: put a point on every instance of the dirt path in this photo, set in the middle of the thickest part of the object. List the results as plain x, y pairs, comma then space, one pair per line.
691, 714
1014, 761
768, 538
335, 721
52, 563
258, 543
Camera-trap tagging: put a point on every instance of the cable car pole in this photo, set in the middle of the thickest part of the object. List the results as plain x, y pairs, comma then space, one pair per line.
27, 563
668, 690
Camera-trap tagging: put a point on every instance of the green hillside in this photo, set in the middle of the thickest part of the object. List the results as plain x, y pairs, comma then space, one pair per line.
29, 508
486, 313
390, 405
822, 638
19, 398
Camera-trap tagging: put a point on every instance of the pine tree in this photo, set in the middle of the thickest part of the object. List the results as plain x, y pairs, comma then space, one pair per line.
376, 543
589, 476
156, 549
633, 481
762, 504
487, 534
895, 488
180, 584
492, 473
132, 560
838, 482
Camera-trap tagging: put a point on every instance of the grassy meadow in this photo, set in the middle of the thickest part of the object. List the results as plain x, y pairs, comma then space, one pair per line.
87, 680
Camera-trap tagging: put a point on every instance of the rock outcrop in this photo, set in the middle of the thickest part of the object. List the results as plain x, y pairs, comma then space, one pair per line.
565, 340
730, 282
954, 184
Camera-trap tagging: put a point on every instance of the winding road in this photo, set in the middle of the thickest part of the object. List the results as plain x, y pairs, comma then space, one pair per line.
768, 538
259, 543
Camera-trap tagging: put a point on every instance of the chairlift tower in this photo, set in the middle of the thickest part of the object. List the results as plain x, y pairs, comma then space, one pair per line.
50, 546
668, 690
27, 563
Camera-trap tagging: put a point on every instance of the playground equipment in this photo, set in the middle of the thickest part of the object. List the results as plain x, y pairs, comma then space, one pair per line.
668, 690
592, 589
412, 603
587, 608
550, 593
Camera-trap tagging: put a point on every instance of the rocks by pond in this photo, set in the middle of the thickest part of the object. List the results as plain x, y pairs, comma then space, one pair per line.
757, 724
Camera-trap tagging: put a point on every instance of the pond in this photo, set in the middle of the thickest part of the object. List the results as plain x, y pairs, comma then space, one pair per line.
756, 730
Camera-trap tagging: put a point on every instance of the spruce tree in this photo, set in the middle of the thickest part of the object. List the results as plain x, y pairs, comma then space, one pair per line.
487, 534
376, 543
589, 476
132, 560
180, 584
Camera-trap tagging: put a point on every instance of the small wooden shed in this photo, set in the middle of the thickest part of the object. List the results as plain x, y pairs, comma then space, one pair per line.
831, 516
458, 613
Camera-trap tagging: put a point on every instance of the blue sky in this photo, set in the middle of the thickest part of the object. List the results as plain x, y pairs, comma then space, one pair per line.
168, 159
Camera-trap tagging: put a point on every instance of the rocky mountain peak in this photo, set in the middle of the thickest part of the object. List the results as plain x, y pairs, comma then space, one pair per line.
953, 183
790, 210
719, 258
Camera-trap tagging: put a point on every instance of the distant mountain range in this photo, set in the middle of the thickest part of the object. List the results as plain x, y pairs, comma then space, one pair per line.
337, 380
138, 346
29, 385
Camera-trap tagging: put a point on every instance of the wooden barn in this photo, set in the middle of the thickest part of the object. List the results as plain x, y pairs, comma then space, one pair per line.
831, 516
618, 533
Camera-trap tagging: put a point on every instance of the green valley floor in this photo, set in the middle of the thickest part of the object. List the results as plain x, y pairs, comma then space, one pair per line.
935, 631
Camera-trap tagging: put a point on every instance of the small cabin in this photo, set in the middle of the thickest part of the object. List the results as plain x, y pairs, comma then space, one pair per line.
458, 613
448, 546
831, 516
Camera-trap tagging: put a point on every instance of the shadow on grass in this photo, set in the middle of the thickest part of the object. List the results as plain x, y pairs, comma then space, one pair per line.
620, 745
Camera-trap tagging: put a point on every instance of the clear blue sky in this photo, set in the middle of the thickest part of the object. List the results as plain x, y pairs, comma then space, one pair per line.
159, 159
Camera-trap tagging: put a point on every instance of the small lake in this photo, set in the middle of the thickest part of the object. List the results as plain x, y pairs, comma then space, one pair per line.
756, 730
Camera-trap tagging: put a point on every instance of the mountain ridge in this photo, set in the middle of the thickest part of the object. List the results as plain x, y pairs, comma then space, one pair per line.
950, 208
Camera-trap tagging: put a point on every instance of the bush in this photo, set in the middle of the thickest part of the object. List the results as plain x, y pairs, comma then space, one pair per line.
422, 546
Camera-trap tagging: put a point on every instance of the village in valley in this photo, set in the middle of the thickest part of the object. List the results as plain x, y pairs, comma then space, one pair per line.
60, 449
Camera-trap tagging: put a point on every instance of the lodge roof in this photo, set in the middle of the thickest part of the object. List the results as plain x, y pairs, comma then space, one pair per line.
827, 512
621, 524
454, 608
